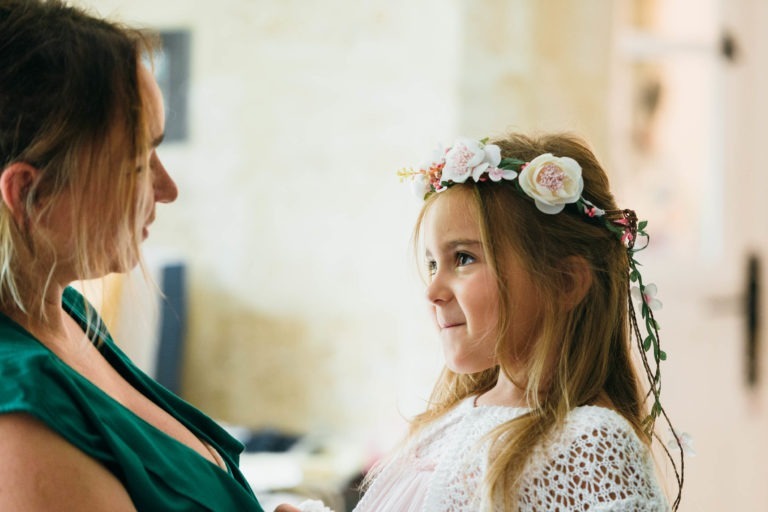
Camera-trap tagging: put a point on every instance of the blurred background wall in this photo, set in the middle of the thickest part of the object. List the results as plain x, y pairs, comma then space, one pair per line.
305, 308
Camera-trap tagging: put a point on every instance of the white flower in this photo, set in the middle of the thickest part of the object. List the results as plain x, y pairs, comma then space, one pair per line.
420, 185
469, 157
686, 441
490, 161
552, 182
648, 296
435, 159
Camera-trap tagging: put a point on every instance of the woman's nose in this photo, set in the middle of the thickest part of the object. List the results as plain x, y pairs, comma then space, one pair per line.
163, 185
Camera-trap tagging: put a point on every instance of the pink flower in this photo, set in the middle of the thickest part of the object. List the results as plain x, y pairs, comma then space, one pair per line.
593, 211
686, 442
647, 295
469, 158
496, 174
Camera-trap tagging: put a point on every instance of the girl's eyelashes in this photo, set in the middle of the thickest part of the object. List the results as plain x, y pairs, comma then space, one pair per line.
463, 259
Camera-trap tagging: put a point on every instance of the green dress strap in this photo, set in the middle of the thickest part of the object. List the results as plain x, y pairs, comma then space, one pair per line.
159, 472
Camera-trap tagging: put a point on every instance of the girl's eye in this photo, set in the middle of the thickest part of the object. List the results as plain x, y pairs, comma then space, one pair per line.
463, 259
431, 267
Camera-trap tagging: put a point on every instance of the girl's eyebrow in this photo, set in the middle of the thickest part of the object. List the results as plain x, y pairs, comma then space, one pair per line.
453, 244
461, 242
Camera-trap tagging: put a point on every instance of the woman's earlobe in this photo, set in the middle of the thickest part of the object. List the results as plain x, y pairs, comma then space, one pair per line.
16, 181
577, 280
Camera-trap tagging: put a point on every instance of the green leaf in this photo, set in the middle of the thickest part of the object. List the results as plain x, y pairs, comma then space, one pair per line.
663, 355
647, 343
484, 140
641, 226
633, 276
510, 163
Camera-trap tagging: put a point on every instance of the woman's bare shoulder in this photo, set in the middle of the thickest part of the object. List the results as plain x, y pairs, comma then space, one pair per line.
41, 471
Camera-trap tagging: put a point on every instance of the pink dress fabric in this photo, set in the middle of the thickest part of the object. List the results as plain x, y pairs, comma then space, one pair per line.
404, 490
594, 463
403, 483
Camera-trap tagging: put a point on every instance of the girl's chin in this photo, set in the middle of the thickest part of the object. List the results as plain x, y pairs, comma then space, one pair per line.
463, 367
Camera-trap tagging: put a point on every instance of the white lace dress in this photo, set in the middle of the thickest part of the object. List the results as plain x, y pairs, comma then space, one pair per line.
594, 463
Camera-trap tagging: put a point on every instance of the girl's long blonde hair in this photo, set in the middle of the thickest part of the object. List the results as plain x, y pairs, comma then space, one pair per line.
590, 342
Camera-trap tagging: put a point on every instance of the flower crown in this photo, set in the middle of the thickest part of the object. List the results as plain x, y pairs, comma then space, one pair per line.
552, 183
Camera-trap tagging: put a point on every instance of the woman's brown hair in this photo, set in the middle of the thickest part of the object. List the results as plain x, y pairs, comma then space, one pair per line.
71, 107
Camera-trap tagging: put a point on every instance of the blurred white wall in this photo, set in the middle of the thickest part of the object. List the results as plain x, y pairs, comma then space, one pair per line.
295, 226
306, 311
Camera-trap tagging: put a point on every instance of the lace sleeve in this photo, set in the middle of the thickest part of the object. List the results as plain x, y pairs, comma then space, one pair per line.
594, 463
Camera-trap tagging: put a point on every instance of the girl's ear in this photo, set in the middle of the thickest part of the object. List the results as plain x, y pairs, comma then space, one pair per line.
15, 183
577, 280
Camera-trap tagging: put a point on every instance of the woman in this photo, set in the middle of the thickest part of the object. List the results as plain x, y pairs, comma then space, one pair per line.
81, 428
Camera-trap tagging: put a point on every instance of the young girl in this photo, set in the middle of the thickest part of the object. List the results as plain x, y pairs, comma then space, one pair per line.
539, 407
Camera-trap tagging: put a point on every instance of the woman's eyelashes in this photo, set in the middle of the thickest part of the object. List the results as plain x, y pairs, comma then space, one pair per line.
148, 160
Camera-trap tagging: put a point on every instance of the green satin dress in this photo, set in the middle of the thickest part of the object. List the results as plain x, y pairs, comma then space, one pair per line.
160, 473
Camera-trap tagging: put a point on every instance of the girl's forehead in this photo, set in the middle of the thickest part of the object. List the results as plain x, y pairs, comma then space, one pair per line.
450, 217
453, 202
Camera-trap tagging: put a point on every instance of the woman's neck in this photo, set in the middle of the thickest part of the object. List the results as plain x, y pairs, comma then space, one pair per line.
46, 320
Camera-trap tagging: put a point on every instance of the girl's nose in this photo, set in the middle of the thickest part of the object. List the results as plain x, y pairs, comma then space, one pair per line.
437, 291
